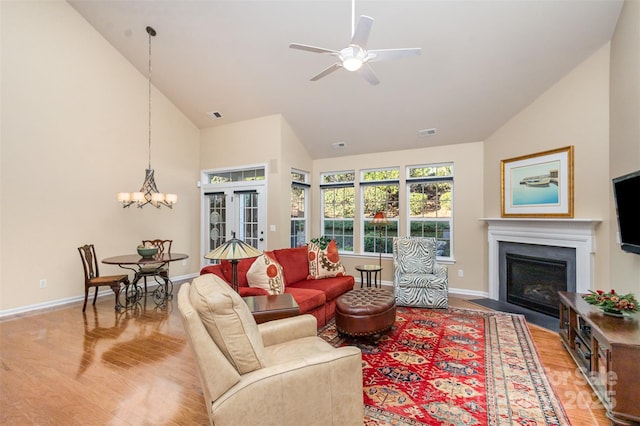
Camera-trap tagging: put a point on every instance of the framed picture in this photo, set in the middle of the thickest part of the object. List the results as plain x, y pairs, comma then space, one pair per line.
538, 185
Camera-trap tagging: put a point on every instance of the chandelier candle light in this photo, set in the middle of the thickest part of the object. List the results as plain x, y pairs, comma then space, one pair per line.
148, 193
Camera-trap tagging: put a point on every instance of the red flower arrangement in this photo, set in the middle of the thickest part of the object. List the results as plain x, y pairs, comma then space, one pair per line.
612, 301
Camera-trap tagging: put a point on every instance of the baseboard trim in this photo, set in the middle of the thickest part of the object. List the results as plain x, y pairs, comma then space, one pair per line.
462, 292
8, 313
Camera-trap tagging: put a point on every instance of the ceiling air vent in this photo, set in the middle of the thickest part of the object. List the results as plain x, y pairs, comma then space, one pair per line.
427, 132
339, 145
214, 115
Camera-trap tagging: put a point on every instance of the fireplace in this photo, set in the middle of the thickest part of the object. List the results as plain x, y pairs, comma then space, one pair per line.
539, 238
531, 275
534, 283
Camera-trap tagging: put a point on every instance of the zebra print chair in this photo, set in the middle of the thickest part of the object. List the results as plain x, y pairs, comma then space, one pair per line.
417, 279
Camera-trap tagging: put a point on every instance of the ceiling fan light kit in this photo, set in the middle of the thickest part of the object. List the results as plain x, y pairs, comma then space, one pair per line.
356, 57
352, 58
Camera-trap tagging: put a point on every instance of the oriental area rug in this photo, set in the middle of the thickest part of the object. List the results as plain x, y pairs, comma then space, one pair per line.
454, 367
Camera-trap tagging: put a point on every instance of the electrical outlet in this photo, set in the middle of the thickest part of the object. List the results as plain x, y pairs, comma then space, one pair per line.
43, 283
460, 273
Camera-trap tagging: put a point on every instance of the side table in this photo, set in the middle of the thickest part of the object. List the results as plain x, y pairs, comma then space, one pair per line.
368, 270
269, 308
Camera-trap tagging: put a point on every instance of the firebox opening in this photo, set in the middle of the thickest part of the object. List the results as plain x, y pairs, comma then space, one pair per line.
534, 282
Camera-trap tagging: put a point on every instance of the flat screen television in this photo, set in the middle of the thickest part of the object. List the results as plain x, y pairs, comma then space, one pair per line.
626, 195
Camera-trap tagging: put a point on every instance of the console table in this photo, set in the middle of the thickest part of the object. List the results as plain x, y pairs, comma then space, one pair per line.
607, 351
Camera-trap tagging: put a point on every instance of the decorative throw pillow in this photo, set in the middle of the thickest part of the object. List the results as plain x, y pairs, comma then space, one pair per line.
229, 322
324, 263
266, 273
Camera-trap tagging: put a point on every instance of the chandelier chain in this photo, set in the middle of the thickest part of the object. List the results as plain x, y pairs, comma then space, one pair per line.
151, 33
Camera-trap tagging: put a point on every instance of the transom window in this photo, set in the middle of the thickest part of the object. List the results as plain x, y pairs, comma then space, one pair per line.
245, 175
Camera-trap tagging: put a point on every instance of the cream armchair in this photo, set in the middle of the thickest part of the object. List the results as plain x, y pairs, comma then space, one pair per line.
276, 373
418, 280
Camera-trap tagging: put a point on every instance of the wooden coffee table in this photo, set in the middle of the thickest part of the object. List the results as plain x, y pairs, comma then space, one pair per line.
269, 308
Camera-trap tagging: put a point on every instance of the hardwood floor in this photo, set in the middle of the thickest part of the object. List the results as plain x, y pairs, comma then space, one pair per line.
136, 368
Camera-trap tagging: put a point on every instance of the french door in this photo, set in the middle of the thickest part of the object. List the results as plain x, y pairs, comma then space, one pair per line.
234, 211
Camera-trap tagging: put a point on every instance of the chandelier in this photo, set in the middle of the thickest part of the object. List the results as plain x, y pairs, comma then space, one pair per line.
148, 193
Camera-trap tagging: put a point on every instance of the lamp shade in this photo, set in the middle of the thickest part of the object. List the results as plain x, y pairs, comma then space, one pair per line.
379, 219
233, 249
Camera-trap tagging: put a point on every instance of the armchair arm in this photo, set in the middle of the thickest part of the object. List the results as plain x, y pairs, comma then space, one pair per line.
322, 389
283, 330
440, 271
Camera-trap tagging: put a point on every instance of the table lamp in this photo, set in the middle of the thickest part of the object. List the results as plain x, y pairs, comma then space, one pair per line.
233, 250
380, 220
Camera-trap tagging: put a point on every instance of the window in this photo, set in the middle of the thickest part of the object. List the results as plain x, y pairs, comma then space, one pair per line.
245, 175
430, 204
379, 193
299, 207
338, 207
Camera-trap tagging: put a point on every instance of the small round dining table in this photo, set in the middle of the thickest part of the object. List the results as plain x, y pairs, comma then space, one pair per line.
135, 263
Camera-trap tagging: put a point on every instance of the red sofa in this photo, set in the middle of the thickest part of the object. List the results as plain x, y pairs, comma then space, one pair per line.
314, 296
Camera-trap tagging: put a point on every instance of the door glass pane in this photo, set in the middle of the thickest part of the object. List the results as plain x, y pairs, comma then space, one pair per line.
217, 220
248, 224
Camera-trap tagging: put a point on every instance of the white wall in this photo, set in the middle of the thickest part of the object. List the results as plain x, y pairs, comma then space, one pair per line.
624, 150
74, 133
575, 111
265, 140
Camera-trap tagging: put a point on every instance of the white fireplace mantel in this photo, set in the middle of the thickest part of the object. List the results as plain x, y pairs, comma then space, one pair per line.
574, 233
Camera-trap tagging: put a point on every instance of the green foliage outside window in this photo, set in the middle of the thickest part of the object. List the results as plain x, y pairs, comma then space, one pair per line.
440, 230
372, 237
341, 231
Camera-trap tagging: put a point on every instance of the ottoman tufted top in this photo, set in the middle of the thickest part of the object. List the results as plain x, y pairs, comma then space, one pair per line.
365, 301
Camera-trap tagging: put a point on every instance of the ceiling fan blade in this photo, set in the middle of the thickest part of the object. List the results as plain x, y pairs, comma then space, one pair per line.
311, 48
361, 34
367, 73
390, 54
327, 71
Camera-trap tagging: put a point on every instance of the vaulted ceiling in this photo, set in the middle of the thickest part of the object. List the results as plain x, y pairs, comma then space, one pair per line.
481, 63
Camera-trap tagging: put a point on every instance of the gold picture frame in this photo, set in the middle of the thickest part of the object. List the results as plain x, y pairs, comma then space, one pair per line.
538, 185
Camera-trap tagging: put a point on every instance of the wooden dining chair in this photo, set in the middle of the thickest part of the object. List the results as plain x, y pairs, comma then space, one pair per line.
92, 276
156, 269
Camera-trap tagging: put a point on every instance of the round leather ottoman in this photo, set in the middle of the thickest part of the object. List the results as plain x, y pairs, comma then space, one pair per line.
365, 311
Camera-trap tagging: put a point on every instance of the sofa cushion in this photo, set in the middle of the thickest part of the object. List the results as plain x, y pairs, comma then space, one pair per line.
331, 287
266, 273
252, 291
229, 322
294, 263
243, 267
307, 299
324, 263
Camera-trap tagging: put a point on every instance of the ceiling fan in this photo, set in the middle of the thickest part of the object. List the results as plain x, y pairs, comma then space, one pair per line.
356, 57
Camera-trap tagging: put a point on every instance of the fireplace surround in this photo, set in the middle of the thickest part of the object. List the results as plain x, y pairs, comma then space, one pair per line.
531, 275
578, 234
